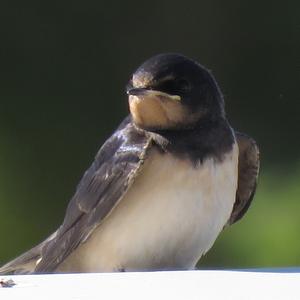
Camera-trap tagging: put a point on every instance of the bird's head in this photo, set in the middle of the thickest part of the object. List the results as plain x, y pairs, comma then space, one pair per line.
171, 92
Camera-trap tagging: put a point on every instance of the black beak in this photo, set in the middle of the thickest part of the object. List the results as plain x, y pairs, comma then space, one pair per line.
137, 91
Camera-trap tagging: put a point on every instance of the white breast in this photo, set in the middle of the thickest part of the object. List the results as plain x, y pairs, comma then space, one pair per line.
171, 215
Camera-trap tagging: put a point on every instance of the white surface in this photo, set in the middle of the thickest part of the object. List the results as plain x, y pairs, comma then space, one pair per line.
157, 285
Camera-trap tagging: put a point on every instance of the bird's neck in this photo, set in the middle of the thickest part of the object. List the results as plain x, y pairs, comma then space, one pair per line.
206, 139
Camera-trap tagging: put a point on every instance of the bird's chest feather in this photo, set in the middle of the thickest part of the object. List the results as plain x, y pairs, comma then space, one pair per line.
170, 216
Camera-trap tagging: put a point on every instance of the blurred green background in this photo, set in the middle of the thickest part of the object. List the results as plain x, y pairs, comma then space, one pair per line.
63, 69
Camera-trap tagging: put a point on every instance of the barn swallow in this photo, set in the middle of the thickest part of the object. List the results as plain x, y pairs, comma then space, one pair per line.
162, 187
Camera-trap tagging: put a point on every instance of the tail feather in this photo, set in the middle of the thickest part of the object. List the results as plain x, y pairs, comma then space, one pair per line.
25, 263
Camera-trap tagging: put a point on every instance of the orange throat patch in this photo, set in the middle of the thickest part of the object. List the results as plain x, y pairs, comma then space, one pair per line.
156, 112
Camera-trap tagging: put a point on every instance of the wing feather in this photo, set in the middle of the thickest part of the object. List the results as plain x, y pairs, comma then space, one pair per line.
248, 169
101, 188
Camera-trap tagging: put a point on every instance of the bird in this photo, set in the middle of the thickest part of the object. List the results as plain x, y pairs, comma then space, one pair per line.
162, 188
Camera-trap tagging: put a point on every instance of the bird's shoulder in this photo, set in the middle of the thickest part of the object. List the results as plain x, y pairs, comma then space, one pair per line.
101, 188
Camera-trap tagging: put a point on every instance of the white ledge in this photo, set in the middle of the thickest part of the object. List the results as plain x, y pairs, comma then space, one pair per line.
186, 285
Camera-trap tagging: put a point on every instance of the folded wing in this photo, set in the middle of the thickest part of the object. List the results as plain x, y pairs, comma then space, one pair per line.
248, 172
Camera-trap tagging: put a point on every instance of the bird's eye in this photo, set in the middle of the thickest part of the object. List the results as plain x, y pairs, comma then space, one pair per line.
182, 85
175, 87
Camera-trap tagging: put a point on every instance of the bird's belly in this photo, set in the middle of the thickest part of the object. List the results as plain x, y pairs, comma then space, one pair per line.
170, 216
